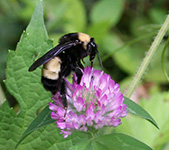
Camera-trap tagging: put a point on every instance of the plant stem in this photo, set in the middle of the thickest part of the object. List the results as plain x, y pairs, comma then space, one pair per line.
148, 58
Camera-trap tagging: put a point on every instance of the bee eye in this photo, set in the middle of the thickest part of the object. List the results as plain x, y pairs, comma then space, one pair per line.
93, 44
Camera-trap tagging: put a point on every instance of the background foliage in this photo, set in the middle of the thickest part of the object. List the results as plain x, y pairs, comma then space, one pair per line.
123, 29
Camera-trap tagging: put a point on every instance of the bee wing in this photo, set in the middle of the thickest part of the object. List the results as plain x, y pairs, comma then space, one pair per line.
52, 53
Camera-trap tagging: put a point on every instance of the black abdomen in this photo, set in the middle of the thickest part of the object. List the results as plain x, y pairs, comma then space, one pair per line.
50, 85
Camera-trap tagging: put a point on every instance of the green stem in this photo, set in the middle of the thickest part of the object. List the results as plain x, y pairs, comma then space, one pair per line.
148, 58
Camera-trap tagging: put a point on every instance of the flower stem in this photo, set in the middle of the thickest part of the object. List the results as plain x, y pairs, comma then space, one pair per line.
148, 58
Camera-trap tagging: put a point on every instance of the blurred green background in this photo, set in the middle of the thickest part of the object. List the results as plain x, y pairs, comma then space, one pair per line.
123, 30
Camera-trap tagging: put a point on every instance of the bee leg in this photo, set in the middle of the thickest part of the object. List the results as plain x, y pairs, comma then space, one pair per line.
80, 64
78, 74
91, 63
63, 95
83, 61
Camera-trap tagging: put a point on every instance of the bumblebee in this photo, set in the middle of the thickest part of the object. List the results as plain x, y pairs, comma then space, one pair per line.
64, 58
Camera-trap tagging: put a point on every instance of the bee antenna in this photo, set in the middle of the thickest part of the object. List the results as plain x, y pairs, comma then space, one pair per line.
99, 58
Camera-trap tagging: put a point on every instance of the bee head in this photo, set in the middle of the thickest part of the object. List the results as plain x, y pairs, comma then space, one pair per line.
89, 46
92, 50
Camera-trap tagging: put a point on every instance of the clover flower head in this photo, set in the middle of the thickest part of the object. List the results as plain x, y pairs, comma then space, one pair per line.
95, 102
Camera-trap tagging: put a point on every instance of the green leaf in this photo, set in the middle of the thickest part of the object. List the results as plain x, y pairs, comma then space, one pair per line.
119, 141
74, 10
67, 15
157, 105
115, 141
98, 30
107, 11
135, 109
111, 44
158, 15
41, 120
27, 89
85, 145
